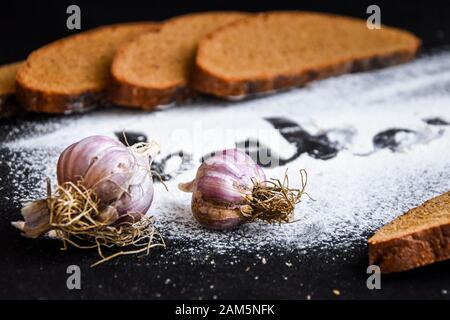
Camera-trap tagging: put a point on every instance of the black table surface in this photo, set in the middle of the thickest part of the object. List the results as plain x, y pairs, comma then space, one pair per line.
37, 269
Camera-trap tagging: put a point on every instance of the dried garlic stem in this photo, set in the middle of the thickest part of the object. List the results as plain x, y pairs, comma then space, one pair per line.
274, 201
74, 217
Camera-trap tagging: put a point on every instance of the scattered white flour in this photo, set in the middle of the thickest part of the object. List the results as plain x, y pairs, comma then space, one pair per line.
353, 194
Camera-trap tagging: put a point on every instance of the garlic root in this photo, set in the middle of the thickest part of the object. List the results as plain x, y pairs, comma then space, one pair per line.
273, 201
73, 215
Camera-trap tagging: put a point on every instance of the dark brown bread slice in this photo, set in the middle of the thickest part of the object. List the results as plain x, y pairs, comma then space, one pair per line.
278, 50
154, 68
8, 107
70, 75
419, 237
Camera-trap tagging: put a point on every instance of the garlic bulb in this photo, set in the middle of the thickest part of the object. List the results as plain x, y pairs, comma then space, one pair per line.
119, 175
99, 179
220, 187
104, 191
230, 189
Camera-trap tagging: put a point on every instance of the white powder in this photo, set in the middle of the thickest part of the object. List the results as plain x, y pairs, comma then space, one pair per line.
353, 194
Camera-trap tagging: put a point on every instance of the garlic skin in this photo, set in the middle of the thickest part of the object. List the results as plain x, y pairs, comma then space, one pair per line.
220, 186
119, 175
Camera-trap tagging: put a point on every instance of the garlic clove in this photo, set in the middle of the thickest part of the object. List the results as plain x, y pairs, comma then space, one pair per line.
37, 219
73, 160
215, 216
187, 186
220, 188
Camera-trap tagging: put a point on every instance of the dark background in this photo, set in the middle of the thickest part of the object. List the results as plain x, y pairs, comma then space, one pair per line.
27, 25
37, 269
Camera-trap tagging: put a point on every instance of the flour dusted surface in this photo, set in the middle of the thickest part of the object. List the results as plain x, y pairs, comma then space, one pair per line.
361, 188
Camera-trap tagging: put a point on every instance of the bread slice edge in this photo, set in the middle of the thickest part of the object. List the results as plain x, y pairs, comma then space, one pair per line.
124, 93
8, 104
205, 81
414, 250
129, 95
36, 100
425, 244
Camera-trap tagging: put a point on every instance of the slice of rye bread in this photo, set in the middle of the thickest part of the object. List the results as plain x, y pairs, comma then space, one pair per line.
278, 50
154, 68
419, 237
8, 107
70, 75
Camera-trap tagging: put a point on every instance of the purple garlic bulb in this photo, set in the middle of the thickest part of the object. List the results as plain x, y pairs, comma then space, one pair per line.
119, 175
220, 187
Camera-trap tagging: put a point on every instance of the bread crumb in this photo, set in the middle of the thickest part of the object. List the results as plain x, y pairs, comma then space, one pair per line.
336, 292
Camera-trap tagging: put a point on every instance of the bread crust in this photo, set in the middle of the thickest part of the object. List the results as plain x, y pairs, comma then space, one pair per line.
129, 95
37, 100
205, 82
414, 250
45, 102
9, 107
124, 93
